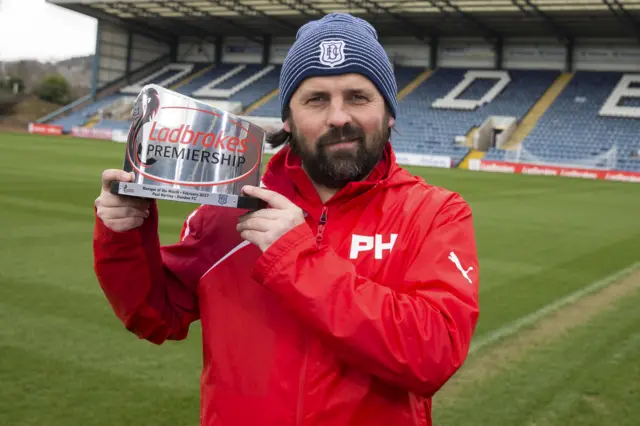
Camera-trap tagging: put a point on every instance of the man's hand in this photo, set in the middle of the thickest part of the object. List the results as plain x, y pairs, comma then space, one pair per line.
120, 213
264, 227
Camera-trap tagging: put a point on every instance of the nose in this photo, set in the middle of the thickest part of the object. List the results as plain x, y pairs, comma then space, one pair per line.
337, 115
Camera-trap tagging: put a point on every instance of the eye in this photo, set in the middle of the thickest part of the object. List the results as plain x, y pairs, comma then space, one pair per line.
360, 98
315, 99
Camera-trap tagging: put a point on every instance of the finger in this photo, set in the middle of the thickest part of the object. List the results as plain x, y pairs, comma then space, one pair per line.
263, 213
108, 213
272, 198
108, 199
254, 237
124, 224
111, 175
256, 224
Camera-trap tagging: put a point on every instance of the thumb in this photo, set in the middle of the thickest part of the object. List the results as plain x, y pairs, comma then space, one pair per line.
112, 175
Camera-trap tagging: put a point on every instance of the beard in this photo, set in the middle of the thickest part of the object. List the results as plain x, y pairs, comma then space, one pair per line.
335, 168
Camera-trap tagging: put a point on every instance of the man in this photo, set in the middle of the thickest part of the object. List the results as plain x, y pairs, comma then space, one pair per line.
350, 300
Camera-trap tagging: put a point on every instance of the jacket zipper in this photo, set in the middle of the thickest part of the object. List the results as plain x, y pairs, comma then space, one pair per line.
305, 360
321, 224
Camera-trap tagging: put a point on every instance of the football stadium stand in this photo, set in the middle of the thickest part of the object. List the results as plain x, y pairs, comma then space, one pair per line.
82, 116
573, 131
426, 128
165, 77
491, 86
404, 76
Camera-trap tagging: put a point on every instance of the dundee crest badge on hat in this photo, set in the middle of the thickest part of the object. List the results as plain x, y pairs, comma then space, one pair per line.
337, 44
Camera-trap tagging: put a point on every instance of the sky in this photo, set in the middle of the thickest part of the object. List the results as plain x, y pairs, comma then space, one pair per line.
35, 29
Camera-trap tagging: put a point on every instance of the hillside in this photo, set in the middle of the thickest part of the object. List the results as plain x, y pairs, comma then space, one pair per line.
29, 109
17, 112
76, 70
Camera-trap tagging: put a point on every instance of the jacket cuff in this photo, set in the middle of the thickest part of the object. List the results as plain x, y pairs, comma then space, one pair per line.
301, 237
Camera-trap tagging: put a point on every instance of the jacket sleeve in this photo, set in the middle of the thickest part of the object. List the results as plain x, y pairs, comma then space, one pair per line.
152, 289
415, 339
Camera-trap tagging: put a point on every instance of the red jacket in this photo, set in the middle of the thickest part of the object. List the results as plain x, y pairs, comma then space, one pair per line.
356, 317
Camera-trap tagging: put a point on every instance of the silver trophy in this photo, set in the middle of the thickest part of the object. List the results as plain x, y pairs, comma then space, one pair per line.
181, 149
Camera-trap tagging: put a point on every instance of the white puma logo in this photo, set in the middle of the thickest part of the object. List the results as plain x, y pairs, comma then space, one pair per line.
456, 261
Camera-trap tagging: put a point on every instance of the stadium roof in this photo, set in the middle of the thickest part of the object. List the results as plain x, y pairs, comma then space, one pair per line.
490, 19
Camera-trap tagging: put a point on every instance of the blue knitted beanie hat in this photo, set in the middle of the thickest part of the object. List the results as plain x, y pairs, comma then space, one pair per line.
338, 43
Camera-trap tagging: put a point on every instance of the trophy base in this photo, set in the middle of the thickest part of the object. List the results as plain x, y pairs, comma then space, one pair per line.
187, 196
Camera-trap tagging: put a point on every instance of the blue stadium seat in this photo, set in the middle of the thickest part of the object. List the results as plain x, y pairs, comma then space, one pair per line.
249, 71
163, 76
424, 129
572, 131
404, 75
246, 96
259, 88
270, 108
205, 78
81, 117
113, 124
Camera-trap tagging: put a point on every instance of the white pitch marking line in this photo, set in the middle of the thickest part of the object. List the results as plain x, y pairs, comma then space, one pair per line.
515, 326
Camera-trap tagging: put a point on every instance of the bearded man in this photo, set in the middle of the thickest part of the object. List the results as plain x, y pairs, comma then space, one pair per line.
350, 300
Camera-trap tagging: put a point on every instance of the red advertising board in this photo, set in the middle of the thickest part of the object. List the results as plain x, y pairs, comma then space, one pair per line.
45, 129
89, 132
575, 172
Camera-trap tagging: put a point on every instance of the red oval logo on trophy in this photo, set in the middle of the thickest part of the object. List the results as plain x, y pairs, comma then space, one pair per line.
183, 149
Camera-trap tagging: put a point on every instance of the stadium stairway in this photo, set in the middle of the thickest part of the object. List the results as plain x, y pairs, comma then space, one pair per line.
471, 155
188, 79
573, 131
257, 104
417, 81
468, 140
531, 118
92, 121
119, 121
83, 115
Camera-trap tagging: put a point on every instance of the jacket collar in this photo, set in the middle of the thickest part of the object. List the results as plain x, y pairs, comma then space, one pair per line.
285, 175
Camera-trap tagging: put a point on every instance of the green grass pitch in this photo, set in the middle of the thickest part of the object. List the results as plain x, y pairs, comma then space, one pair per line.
66, 360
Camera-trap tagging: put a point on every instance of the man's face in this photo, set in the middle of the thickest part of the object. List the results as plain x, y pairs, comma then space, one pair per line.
339, 127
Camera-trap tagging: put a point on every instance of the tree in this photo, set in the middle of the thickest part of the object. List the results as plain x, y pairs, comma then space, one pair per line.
54, 88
